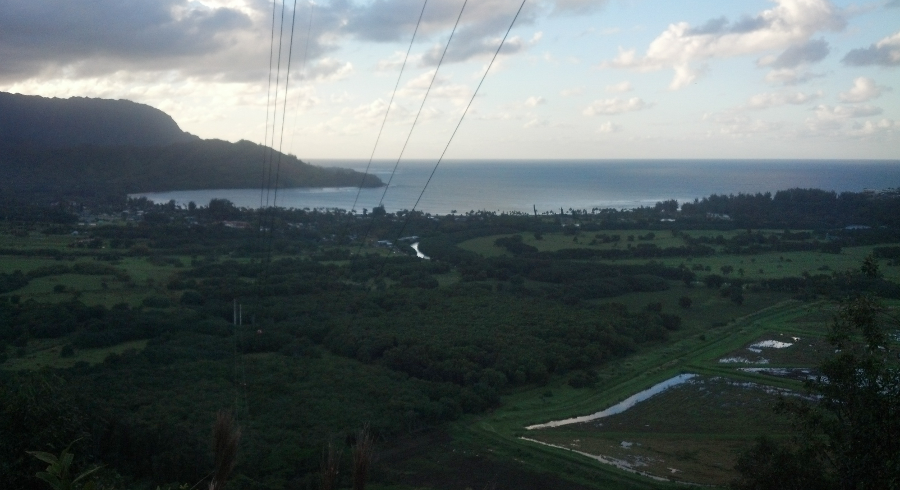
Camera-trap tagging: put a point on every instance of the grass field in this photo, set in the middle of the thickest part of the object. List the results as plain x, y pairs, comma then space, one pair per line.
692, 432
697, 430
760, 266
46, 354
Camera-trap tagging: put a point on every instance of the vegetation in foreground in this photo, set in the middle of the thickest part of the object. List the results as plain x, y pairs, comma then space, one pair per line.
129, 336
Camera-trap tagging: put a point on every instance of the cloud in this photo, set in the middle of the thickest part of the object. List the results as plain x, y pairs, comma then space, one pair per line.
578, 6
864, 89
740, 126
104, 36
893, 4
794, 56
479, 33
329, 70
572, 92
620, 87
872, 128
229, 39
442, 88
535, 101
609, 127
883, 53
615, 106
791, 76
681, 47
834, 113
768, 100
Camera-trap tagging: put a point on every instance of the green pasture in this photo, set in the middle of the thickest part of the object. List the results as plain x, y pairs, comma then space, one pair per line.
778, 264
46, 354
697, 429
748, 267
34, 240
708, 306
12, 263
552, 242
706, 456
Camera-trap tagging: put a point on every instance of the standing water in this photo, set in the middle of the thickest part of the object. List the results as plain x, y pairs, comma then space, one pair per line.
621, 406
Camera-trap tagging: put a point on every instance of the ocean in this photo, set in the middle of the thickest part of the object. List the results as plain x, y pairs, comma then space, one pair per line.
548, 185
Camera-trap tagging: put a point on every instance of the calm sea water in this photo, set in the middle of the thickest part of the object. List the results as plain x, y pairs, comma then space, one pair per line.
548, 185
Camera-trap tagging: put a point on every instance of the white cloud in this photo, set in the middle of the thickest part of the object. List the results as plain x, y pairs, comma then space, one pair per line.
791, 76
572, 92
767, 100
535, 123
609, 127
884, 53
864, 89
738, 125
681, 47
615, 106
442, 88
620, 87
834, 113
871, 128
535, 101
329, 70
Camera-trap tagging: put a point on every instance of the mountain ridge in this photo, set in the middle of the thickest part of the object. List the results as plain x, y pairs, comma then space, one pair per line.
81, 145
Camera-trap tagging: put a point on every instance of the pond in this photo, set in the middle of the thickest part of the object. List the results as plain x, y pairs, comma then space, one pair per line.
622, 405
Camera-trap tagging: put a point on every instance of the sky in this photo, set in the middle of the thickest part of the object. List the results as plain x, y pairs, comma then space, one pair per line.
576, 79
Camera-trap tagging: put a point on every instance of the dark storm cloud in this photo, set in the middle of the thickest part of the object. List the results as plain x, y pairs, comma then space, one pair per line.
39, 34
55, 38
810, 52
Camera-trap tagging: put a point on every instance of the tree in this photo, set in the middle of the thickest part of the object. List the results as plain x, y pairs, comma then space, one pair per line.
685, 302
849, 429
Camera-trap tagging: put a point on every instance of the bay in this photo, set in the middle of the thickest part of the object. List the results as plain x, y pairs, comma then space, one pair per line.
551, 185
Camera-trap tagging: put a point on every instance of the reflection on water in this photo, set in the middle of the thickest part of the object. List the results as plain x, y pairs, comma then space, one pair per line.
621, 406
618, 463
415, 246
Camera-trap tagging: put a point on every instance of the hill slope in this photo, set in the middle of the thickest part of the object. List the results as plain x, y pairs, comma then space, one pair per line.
80, 145
58, 123
202, 164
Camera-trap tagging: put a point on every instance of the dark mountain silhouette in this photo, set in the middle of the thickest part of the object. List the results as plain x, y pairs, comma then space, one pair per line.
91, 146
60, 123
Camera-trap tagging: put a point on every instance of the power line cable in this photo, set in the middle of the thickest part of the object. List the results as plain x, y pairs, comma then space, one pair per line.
265, 140
312, 6
413, 127
419, 113
287, 85
275, 105
388, 109
458, 124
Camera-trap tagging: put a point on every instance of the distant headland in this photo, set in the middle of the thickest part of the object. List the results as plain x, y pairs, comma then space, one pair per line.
82, 145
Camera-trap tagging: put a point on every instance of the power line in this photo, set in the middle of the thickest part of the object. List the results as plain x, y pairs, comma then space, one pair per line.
262, 184
312, 7
388, 109
413, 127
419, 113
458, 124
275, 105
287, 84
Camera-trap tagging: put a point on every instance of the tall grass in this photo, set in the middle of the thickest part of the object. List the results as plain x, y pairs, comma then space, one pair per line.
226, 435
363, 453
